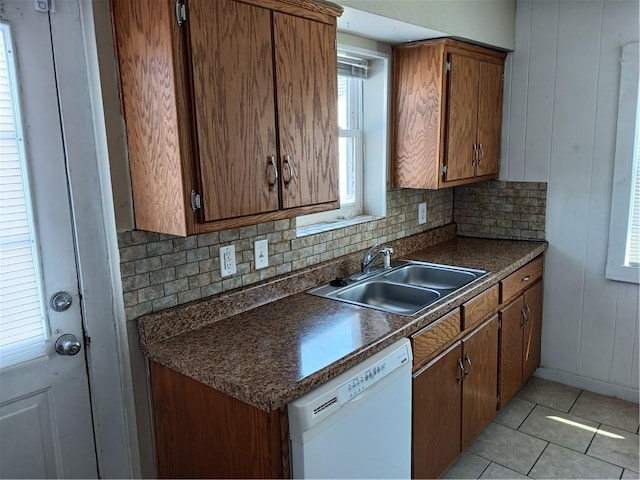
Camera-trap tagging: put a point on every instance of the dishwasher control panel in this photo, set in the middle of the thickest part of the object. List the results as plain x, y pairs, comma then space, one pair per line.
373, 374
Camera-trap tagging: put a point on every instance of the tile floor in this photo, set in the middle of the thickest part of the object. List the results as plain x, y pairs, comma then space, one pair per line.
549, 430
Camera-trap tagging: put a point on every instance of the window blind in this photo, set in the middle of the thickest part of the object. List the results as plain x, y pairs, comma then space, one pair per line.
22, 332
351, 66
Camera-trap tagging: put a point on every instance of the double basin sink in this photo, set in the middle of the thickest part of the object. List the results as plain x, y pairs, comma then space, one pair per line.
404, 289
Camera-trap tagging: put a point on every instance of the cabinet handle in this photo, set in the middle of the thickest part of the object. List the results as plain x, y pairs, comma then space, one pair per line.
291, 169
526, 279
467, 359
524, 317
272, 164
475, 154
462, 373
528, 310
481, 156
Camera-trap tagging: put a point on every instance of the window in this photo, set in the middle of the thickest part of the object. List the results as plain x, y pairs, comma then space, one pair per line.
623, 260
362, 144
350, 145
22, 322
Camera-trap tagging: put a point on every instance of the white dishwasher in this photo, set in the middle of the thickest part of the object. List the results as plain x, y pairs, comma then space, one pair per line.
358, 424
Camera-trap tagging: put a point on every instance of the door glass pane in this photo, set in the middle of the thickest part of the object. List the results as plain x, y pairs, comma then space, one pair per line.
22, 332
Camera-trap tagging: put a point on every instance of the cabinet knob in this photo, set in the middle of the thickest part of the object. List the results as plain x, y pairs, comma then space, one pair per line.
461, 367
274, 168
467, 359
288, 164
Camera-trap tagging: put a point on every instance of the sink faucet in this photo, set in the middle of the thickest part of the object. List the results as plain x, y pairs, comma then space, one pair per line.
369, 258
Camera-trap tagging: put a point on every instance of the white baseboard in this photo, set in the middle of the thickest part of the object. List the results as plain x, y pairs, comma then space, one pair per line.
597, 386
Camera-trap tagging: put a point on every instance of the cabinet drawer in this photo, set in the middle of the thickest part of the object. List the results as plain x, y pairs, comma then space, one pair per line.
431, 338
520, 280
479, 307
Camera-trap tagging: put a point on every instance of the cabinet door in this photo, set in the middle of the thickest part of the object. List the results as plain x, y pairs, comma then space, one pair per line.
489, 117
306, 79
480, 384
436, 414
231, 51
511, 350
532, 331
462, 113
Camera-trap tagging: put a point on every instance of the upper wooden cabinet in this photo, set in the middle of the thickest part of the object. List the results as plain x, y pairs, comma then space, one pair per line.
232, 114
447, 109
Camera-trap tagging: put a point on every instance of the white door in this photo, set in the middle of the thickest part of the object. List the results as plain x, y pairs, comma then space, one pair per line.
45, 414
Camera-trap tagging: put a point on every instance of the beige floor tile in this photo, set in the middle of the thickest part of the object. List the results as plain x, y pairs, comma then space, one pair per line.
514, 413
495, 471
468, 465
510, 448
616, 446
630, 475
560, 428
608, 410
560, 462
550, 394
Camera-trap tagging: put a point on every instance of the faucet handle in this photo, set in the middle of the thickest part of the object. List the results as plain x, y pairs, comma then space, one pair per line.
367, 256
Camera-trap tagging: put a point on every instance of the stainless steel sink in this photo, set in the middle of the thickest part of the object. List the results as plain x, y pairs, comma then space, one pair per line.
404, 289
433, 276
390, 297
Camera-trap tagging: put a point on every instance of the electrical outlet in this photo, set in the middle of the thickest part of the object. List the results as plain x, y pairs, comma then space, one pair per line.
227, 260
422, 213
261, 253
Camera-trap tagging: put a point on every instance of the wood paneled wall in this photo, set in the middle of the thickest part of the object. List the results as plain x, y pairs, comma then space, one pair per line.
560, 117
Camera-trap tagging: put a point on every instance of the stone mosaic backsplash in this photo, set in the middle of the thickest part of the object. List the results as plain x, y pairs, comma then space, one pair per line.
495, 209
161, 271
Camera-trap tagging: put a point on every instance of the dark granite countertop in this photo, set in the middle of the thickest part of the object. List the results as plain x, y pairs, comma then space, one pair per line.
269, 355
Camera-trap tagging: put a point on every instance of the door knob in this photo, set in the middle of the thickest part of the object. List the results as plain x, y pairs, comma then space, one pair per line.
67, 344
60, 301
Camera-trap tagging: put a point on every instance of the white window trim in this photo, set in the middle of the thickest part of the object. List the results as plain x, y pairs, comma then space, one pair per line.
628, 116
375, 128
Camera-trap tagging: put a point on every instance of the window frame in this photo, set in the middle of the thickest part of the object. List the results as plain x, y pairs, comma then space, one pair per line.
624, 168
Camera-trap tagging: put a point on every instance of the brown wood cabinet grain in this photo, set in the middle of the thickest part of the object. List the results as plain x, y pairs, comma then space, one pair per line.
512, 321
435, 336
447, 111
532, 340
437, 403
480, 384
520, 332
211, 107
479, 307
306, 73
454, 399
202, 433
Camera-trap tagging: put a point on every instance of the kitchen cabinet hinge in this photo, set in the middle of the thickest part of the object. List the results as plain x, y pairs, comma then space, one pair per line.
181, 12
447, 66
443, 169
196, 201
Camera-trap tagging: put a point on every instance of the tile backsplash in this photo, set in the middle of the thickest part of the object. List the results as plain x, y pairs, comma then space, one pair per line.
160, 271
496, 209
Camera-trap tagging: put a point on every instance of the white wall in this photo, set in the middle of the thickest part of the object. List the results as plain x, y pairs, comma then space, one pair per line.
561, 98
487, 21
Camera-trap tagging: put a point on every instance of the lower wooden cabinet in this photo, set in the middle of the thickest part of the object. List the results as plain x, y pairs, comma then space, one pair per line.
437, 407
520, 341
480, 383
203, 433
454, 399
